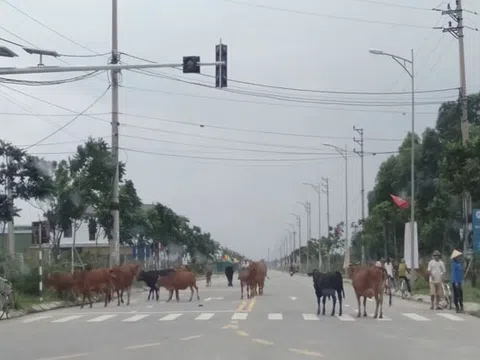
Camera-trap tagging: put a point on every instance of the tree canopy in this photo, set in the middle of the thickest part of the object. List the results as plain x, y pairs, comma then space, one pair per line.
444, 170
78, 190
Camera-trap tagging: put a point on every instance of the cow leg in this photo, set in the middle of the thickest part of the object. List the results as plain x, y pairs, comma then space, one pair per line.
365, 306
380, 300
324, 300
318, 304
107, 297
196, 288
377, 302
157, 294
129, 291
241, 290
83, 300
170, 296
90, 300
358, 303
339, 302
191, 293
119, 296
176, 295
334, 300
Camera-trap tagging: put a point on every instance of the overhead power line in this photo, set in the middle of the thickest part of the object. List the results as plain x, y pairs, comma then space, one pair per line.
330, 16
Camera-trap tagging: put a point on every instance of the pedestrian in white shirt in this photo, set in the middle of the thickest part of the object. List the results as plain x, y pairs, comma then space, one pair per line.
436, 269
389, 268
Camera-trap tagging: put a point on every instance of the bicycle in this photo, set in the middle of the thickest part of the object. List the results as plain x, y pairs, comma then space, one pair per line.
447, 295
7, 303
403, 288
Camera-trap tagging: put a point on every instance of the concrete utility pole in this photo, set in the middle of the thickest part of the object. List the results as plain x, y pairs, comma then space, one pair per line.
318, 188
361, 154
115, 205
457, 32
299, 223
307, 207
11, 225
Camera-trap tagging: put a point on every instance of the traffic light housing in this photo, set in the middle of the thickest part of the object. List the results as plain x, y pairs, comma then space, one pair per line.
221, 70
40, 232
191, 64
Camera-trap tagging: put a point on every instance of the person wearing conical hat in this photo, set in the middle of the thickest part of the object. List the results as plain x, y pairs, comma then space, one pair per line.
457, 280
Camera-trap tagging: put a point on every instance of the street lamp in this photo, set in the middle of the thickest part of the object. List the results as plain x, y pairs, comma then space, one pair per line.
294, 242
344, 154
403, 63
307, 207
318, 189
299, 223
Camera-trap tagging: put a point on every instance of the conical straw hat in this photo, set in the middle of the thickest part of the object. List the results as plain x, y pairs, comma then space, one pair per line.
455, 254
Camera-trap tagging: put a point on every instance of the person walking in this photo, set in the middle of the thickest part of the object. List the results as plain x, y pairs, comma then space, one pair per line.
402, 274
436, 269
457, 280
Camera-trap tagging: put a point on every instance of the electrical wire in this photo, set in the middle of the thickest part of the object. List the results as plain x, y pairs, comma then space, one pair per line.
50, 82
72, 120
330, 16
401, 6
202, 125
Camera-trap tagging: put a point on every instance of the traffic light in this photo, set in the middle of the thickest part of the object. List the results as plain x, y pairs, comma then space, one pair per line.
221, 70
191, 65
40, 231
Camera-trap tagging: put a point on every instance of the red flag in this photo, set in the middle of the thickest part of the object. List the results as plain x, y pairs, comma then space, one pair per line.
401, 203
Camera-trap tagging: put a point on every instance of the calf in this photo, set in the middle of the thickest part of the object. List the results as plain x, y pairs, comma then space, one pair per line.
150, 278
326, 284
98, 281
123, 277
243, 275
62, 283
369, 281
178, 280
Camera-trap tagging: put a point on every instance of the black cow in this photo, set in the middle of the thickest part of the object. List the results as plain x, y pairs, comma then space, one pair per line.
150, 278
326, 284
229, 274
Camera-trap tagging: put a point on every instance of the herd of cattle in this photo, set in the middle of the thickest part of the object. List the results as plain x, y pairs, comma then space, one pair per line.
119, 279
367, 281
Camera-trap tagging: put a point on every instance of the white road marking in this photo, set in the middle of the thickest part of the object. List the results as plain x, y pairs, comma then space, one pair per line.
293, 297
170, 317
36, 318
149, 306
213, 298
275, 316
205, 316
384, 319
72, 356
306, 352
415, 317
346, 317
262, 341
191, 337
67, 318
134, 318
310, 317
451, 317
239, 316
142, 346
101, 318
346, 305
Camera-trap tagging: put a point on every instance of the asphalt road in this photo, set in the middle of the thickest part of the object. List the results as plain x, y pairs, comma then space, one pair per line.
279, 324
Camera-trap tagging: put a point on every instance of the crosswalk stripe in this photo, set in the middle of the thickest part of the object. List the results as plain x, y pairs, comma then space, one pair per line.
346, 317
415, 317
275, 316
205, 316
101, 318
239, 316
384, 319
68, 318
310, 317
451, 317
134, 318
36, 318
170, 317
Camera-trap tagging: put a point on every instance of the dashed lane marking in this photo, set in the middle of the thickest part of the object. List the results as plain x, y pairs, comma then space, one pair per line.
239, 316
242, 333
64, 357
170, 317
205, 316
191, 337
275, 316
134, 347
346, 317
242, 305
306, 352
134, 318
451, 317
262, 341
67, 318
101, 318
252, 304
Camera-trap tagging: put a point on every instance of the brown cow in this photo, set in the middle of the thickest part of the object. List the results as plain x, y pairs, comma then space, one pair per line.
63, 283
123, 277
257, 274
243, 275
96, 280
369, 281
208, 276
179, 280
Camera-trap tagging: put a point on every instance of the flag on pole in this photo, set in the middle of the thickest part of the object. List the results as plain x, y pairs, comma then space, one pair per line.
401, 203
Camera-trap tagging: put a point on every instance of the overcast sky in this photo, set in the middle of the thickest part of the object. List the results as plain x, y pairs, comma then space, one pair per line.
240, 186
